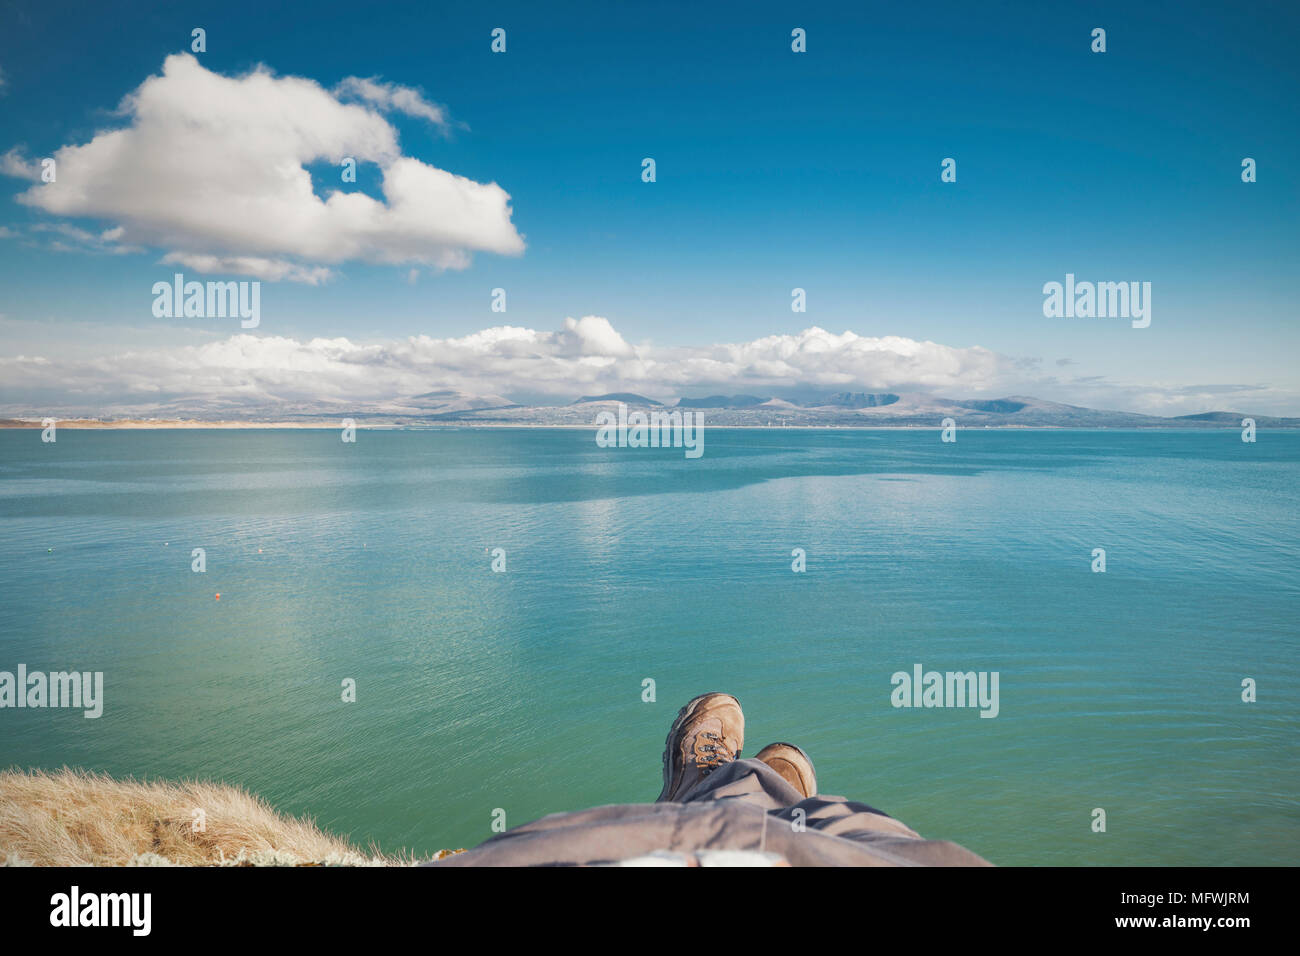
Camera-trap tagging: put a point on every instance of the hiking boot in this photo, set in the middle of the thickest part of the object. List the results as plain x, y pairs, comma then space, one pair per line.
708, 732
793, 765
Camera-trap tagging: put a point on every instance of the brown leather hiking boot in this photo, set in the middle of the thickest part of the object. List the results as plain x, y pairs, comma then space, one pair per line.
792, 764
708, 732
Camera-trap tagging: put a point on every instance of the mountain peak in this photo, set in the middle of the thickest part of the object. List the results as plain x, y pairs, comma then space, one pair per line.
627, 398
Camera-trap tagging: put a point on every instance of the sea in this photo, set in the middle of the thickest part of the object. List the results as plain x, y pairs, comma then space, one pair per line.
427, 631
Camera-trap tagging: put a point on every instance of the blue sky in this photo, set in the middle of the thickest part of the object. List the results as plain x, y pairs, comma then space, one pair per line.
774, 170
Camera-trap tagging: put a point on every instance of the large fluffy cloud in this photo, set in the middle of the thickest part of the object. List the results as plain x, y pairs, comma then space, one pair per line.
213, 169
583, 356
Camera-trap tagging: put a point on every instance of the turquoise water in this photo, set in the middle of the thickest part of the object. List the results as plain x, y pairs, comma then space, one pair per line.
522, 690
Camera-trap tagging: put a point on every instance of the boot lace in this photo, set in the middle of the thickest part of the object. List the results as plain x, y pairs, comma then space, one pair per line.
711, 753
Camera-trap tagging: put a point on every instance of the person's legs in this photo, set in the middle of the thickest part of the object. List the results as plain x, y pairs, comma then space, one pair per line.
713, 800
702, 762
750, 780
702, 759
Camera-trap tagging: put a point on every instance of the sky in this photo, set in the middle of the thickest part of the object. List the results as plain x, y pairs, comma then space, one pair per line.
523, 171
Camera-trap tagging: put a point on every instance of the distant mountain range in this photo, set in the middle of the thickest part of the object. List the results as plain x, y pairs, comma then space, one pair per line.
866, 409
842, 409
448, 401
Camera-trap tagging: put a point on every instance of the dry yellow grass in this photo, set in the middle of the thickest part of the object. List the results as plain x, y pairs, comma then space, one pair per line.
76, 818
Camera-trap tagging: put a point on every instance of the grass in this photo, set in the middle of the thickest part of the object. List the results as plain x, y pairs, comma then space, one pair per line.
77, 818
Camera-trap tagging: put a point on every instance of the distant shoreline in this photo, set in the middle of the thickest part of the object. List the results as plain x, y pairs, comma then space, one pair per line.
84, 424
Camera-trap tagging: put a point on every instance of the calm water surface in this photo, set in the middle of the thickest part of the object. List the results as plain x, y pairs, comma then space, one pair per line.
522, 690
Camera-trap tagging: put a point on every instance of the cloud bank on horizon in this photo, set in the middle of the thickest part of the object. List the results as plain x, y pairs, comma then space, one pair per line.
213, 170
584, 356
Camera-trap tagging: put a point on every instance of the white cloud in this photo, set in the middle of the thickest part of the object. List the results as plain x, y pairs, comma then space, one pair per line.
18, 165
584, 355
73, 370
75, 239
213, 169
390, 96
272, 270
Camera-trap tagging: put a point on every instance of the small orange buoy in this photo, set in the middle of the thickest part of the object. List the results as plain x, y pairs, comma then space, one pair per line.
259, 550
218, 597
